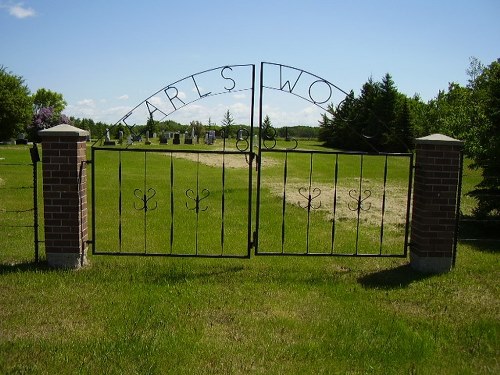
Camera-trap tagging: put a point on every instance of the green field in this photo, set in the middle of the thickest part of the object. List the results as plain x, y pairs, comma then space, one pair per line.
264, 315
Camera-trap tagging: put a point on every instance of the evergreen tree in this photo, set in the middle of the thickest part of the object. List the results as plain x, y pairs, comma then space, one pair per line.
338, 131
267, 127
227, 123
151, 126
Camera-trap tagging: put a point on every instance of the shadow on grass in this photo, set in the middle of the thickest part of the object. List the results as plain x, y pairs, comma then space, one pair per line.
487, 246
6, 268
394, 278
483, 235
184, 274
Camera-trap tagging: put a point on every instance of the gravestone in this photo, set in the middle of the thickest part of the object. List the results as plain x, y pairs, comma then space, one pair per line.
177, 139
240, 135
164, 138
21, 140
187, 139
210, 137
107, 139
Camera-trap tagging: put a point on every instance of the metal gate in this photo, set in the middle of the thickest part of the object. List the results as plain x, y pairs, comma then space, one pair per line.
253, 192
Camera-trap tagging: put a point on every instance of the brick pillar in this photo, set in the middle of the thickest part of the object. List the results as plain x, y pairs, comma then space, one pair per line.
65, 195
435, 199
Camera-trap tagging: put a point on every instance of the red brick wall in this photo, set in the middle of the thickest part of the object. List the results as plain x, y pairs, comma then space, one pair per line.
437, 171
65, 194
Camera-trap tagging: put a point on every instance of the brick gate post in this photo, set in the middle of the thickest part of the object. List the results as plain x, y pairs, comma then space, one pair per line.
435, 198
65, 195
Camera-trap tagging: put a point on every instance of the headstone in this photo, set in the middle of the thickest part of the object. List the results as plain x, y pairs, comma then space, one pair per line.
107, 140
187, 139
210, 137
148, 142
164, 138
120, 137
21, 140
177, 139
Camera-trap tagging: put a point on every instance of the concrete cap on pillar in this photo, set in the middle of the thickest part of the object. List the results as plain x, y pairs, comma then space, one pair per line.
63, 130
438, 139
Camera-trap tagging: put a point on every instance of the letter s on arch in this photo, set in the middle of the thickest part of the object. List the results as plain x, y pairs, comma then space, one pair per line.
228, 78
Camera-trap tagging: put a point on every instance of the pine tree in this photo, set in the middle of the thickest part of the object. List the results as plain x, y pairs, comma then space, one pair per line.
227, 123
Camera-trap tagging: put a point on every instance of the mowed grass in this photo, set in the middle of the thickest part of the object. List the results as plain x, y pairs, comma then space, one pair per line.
272, 315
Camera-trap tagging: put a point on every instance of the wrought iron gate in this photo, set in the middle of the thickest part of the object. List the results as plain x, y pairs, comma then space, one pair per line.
182, 202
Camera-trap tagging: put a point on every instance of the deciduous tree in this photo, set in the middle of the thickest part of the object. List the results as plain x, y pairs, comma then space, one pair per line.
15, 104
486, 154
44, 98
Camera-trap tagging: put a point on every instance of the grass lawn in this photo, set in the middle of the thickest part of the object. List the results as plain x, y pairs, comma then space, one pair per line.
131, 315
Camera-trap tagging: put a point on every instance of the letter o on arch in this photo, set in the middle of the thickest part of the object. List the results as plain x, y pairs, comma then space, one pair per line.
311, 89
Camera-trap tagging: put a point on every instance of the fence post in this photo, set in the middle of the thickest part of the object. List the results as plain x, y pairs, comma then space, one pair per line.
65, 195
438, 168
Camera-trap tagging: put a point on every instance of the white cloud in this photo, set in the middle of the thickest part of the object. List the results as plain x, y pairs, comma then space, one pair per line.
86, 102
20, 11
239, 96
123, 97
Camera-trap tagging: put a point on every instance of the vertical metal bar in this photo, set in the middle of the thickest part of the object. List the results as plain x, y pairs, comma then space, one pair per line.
335, 179
80, 203
259, 160
383, 207
93, 242
171, 203
250, 169
222, 229
283, 208
359, 201
35, 208
145, 204
120, 201
197, 202
408, 205
309, 203
457, 212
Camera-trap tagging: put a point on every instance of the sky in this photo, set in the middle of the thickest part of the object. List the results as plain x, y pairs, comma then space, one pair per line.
108, 57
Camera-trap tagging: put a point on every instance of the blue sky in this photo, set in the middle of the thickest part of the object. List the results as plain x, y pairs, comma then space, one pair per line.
106, 57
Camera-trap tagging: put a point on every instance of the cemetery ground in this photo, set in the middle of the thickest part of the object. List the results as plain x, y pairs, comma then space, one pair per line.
259, 315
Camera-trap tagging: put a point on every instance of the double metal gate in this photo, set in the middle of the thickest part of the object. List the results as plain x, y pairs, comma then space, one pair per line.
255, 193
